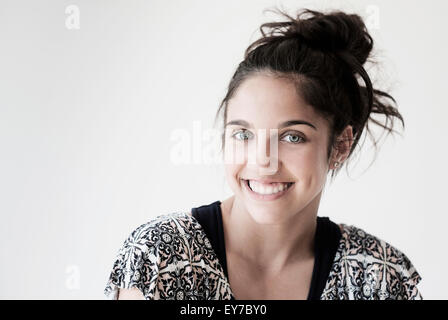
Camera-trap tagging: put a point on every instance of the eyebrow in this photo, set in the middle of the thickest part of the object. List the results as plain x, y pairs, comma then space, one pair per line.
280, 126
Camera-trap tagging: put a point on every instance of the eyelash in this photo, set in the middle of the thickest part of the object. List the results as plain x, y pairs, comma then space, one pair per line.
288, 134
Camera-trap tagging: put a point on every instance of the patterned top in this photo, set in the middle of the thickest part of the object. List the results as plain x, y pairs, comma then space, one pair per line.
171, 258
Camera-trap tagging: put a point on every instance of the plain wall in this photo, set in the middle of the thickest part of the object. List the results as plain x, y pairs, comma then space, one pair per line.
87, 117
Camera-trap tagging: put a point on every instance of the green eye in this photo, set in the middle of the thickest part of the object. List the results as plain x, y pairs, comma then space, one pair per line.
295, 138
241, 133
245, 135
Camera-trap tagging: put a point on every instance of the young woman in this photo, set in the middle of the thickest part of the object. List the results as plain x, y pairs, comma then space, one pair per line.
301, 88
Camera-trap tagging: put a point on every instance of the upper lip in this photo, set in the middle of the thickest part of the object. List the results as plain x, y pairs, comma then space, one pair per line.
268, 181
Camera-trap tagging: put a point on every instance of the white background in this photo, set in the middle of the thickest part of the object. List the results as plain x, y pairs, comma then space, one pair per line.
86, 117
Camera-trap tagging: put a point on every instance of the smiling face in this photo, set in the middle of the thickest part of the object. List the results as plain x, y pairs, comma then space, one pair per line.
263, 103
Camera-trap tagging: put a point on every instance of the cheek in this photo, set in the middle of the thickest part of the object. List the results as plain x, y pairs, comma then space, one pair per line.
235, 153
301, 160
231, 172
307, 165
234, 158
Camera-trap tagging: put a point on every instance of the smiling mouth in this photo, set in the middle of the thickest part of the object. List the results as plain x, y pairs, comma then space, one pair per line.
267, 189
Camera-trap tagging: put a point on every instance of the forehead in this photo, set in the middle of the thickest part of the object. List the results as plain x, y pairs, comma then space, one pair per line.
264, 97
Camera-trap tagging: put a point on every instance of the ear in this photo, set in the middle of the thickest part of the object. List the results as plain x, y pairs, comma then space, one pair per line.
342, 147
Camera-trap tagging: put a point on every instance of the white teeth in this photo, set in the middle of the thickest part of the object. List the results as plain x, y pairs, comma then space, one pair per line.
267, 189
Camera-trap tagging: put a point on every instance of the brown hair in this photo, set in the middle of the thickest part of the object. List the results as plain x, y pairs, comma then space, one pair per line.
323, 54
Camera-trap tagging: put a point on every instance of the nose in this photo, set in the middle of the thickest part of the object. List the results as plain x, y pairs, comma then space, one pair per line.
266, 153
263, 149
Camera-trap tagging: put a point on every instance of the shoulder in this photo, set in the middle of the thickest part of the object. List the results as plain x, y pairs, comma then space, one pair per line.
165, 235
367, 247
160, 252
377, 269
164, 226
137, 262
177, 220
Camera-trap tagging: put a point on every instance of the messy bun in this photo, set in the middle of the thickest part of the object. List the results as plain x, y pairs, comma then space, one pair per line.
324, 54
336, 32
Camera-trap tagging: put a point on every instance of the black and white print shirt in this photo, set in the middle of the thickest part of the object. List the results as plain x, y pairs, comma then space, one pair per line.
171, 258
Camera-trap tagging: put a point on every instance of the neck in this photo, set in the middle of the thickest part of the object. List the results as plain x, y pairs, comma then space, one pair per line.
271, 247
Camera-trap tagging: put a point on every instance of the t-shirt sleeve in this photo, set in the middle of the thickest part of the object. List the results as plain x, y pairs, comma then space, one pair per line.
410, 279
135, 266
